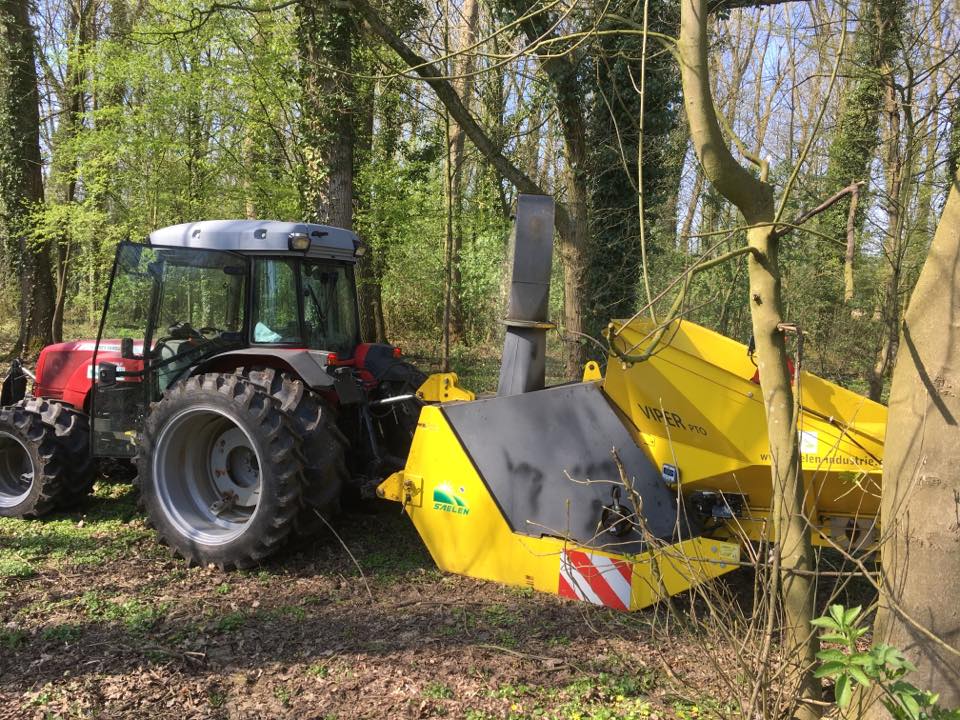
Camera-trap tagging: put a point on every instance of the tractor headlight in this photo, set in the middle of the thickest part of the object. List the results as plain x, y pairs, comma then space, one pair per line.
298, 241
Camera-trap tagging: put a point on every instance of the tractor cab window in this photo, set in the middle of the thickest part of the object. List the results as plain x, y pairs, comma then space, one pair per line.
201, 308
330, 307
276, 314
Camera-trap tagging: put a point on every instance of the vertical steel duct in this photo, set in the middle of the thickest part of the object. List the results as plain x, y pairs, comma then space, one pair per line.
524, 349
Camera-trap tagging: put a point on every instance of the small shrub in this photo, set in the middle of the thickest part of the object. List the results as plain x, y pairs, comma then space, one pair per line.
881, 665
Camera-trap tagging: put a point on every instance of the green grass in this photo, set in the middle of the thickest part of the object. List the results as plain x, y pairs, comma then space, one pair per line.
65, 632
12, 639
605, 696
320, 670
230, 622
108, 527
135, 615
437, 691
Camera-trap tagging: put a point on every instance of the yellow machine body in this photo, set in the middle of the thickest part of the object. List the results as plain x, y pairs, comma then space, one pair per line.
466, 533
443, 387
690, 418
695, 405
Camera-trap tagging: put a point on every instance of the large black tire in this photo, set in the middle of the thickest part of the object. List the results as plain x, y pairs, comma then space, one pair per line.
71, 428
32, 478
323, 444
220, 471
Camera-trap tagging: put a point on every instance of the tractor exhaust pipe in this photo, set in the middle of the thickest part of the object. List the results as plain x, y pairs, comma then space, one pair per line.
524, 368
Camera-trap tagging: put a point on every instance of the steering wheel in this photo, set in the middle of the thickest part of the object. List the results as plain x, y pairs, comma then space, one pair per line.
210, 330
182, 330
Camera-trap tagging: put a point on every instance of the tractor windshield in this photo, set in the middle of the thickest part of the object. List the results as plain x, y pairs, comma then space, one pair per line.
201, 308
309, 303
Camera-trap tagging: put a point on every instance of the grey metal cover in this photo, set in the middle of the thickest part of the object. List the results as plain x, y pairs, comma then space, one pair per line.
532, 258
258, 237
524, 446
525, 345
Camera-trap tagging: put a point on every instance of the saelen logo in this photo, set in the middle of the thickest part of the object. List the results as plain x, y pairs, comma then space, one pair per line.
448, 501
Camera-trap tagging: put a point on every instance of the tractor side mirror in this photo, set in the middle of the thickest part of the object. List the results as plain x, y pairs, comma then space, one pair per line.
126, 348
107, 373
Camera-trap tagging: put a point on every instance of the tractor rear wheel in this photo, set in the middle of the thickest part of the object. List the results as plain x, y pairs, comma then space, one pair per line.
323, 444
31, 476
220, 471
72, 431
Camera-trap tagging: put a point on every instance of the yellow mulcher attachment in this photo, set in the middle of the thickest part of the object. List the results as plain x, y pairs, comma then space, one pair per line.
696, 410
624, 489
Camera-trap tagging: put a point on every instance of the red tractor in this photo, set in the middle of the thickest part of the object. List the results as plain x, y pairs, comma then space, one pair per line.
228, 366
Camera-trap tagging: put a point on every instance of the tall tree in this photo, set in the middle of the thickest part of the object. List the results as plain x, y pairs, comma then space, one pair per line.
64, 173
464, 67
21, 177
614, 142
326, 119
856, 134
920, 502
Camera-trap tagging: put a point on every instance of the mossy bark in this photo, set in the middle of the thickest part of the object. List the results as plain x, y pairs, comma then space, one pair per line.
21, 178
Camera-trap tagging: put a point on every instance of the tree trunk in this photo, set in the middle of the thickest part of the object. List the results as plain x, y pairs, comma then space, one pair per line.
755, 200
463, 82
326, 122
21, 182
369, 269
64, 174
920, 502
856, 136
896, 168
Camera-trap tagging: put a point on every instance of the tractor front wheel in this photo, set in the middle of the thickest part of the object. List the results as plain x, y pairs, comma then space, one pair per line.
220, 471
71, 428
31, 475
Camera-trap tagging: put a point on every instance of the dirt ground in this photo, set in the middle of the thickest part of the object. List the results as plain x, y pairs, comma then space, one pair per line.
97, 620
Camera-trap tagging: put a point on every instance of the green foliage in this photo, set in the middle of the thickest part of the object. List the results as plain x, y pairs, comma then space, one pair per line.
882, 666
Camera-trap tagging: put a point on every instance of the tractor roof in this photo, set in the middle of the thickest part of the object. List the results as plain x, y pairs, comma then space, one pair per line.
259, 237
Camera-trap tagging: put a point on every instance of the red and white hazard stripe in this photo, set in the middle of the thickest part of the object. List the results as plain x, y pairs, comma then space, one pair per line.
595, 578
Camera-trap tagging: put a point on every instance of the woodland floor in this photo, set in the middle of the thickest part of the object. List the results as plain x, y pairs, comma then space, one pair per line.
96, 620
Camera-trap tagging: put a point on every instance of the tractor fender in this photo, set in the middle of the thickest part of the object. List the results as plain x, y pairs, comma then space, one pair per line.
309, 365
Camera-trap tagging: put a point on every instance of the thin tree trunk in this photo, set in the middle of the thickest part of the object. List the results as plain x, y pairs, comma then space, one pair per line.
755, 200
21, 182
464, 66
890, 311
74, 100
685, 242
369, 269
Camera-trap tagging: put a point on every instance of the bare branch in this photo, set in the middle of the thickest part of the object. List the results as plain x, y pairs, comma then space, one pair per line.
852, 190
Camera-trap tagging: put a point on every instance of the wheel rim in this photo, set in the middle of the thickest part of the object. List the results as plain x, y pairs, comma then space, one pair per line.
16, 470
207, 475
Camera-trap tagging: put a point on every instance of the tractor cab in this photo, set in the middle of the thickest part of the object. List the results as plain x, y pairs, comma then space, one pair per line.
208, 295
